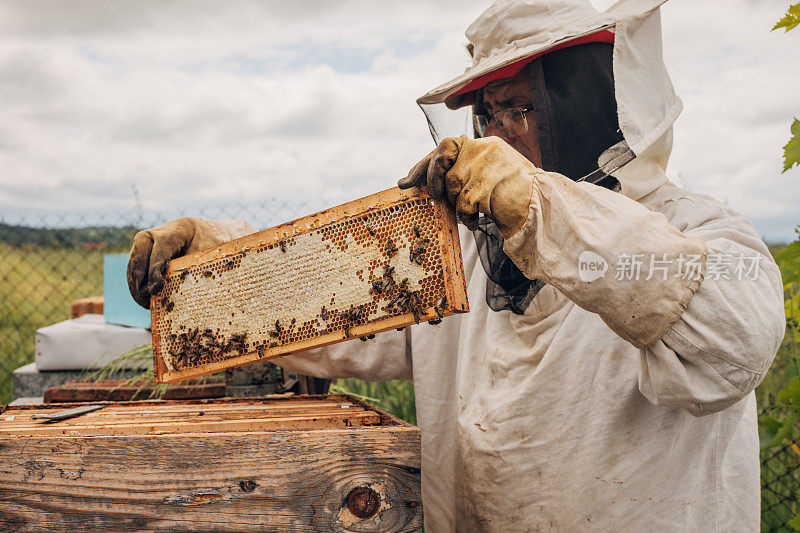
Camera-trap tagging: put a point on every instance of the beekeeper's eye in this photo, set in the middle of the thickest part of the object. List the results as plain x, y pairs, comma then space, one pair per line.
480, 122
511, 122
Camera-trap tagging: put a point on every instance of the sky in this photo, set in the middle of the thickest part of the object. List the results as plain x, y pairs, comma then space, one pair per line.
195, 102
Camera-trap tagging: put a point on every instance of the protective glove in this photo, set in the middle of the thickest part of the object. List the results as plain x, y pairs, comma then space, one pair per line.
478, 176
154, 248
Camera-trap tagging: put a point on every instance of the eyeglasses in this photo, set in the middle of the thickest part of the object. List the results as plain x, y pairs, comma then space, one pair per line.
512, 121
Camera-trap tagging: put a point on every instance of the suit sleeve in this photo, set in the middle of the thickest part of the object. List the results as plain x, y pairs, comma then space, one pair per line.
384, 358
704, 342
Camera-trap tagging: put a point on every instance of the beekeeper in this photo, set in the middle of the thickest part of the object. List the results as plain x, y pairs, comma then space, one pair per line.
619, 324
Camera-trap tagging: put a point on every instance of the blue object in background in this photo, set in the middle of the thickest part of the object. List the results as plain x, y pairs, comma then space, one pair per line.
118, 305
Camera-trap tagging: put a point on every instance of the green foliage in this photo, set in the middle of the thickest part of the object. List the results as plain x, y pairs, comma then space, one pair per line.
789, 261
780, 391
791, 152
783, 409
109, 236
790, 20
140, 358
37, 284
395, 397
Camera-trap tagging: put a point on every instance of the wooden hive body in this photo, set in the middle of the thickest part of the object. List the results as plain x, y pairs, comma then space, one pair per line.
277, 464
385, 261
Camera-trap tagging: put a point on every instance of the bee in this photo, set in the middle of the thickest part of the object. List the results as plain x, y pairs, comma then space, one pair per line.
208, 274
417, 254
323, 313
390, 248
354, 314
416, 231
346, 330
439, 307
377, 286
418, 250
169, 307
370, 230
277, 331
183, 275
435, 321
365, 338
283, 247
400, 329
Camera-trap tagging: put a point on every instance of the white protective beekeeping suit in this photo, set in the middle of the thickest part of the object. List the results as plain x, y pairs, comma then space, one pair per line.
612, 404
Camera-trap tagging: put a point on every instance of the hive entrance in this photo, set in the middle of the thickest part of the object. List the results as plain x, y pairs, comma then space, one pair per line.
384, 261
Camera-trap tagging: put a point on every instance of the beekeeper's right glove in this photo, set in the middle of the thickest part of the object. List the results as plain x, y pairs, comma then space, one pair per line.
154, 248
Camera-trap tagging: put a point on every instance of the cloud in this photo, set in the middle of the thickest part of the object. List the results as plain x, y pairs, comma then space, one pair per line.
197, 103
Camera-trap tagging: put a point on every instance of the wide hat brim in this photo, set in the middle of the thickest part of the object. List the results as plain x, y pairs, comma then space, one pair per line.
459, 91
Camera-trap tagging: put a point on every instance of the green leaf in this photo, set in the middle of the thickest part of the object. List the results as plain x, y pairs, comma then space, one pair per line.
794, 523
791, 393
788, 260
786, 430
771, 424
791, 19
791, 152
769, 428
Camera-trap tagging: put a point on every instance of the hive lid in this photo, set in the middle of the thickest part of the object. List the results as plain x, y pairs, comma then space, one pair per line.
223, 415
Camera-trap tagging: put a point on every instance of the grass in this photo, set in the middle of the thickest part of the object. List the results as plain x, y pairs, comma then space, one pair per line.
396, 397
37, 285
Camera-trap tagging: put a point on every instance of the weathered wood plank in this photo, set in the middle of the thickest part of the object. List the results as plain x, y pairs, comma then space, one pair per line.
120, 390
277, 481
108, 475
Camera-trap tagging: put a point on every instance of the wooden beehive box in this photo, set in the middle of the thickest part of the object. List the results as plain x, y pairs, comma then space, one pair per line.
385, 261
307, 463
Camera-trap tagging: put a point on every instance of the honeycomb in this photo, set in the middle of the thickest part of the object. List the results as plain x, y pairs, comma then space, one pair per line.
308, 289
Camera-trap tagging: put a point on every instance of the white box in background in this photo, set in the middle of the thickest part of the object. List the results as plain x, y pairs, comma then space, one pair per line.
85, 342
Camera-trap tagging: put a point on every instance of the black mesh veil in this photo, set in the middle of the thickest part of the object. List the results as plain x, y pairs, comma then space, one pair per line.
576, 118
445, 122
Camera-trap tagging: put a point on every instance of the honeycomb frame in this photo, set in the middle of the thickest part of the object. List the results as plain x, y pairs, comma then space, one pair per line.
394, 257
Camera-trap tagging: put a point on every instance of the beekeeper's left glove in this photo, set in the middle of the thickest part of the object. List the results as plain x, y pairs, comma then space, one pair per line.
478, 176
155, 247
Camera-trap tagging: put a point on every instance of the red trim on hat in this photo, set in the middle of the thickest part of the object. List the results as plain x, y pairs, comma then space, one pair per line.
512, 69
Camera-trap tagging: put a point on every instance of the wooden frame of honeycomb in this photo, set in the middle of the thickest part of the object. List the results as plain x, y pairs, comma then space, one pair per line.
381, 262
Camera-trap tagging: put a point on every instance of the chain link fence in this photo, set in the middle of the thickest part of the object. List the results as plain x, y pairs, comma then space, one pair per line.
50, 258
780, 486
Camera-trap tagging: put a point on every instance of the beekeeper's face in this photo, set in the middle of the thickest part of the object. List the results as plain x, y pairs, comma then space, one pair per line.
507, 113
